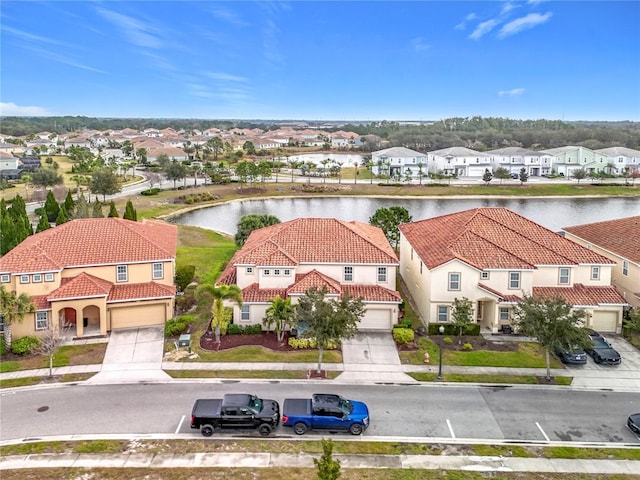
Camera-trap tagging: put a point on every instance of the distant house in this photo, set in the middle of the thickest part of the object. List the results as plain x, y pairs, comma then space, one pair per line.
398, 162
570, 158
617, 240
94, 275
621, 159
459, 161
289, 258
493, 256
516, 158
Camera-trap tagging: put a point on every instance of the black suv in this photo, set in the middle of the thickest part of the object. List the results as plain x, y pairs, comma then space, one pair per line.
602, 351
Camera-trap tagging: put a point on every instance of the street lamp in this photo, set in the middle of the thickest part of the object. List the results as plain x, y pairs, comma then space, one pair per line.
441, 330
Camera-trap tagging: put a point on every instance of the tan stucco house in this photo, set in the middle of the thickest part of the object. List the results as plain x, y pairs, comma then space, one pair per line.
290, 258
619, 241
493, 256
91, 276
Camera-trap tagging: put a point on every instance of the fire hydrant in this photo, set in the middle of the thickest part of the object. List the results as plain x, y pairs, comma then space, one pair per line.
426, 357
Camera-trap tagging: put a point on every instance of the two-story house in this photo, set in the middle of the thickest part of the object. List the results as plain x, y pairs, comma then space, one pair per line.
493, 256
399, 162
94, 275
515, 158
621, 159
290, 258
570, 158
618, 241
460, 161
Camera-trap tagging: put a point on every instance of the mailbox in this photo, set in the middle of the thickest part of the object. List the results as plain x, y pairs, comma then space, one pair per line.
185, 340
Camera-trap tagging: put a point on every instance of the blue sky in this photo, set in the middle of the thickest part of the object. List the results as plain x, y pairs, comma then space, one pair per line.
331, 60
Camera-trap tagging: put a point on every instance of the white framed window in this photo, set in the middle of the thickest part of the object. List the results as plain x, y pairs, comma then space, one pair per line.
625, 268
504, 314
563, 276
484, 275
267, 272
37, 278
420, 267
382, 274
595, 273
514, 280
443, 314
122, 273
158, 271
4, 278
287, 272
454, 281
42, 320
276, 272
348, 274
24, 278
249, 270
244, 313
1, 324
48, 277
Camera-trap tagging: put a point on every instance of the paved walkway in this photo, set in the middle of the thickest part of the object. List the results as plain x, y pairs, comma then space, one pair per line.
268, 460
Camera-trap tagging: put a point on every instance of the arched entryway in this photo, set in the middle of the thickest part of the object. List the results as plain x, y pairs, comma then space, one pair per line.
68, 318
91, 320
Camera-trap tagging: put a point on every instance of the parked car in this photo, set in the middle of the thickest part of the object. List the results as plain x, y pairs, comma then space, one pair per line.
575, 356
602, 351
633, 422
324, 411
515, 176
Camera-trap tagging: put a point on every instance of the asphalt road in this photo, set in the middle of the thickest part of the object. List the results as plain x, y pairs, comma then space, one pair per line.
443, 412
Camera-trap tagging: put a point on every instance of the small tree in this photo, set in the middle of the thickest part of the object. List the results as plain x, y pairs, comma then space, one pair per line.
553, 322
279, 316
51, 207
328, 467
501, 174
96, 210
43, 224
105, 182
130, 212
184, 276
13, 308
523, 176
49, 344
113, 211
388, 220
461, 315
251, 222
579, 174
62, 216
211, 295
175, 171
69, 204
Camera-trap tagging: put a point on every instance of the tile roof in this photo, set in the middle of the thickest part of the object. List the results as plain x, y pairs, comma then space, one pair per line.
140, 291
41, 302
582, 295
493, 238
254, 294
618, 236
314, 279
81, 286
92, 241
313, 240
508, 298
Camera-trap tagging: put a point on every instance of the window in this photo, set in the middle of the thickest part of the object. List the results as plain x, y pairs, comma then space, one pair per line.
287, 272
37, 277
625, 267
484, 275
348, 274
443, 313
454, 281
504, 314
249, 270
267, 272
514, 280
1, 324
595, 273
421, 267
42, 320
48, 277
276, 272
158, 271
563, 278
24, 278
382, 274
244, 313
5, 278
121, 273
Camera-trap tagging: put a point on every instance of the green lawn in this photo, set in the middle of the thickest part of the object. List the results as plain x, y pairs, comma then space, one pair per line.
253, 353
275, 374
207, 250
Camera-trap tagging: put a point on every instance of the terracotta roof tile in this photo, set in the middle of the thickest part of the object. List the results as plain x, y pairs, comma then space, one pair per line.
509, 298
253, 294
581, 295
81, 286
619, 236
40, 301
92, 241
493, 238
317, 280
140, 291
372, 293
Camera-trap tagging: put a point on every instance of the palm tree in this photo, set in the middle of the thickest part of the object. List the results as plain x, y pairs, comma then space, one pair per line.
217, 295
279, 315
13, 308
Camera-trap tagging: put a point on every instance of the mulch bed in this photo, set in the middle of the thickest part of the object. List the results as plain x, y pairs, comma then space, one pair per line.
267, 340
477, 342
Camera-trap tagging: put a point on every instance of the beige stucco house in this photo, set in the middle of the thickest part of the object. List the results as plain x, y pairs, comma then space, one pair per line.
493, 256
91, 276
617, 240
290, 258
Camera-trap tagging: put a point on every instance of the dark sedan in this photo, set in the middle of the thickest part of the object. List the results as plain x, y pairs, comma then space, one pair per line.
633, 422
576, 356
602, 351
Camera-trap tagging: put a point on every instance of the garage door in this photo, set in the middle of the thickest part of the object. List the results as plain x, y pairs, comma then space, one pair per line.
477, 171
605, 321
137, 316
376, 319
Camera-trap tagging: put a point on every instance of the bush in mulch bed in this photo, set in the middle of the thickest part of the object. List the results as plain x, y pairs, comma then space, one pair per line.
266, 339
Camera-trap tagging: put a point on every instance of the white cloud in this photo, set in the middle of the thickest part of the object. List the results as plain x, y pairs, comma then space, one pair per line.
483, 28
462, 25
138, 32
229, 16
419, 45
523, 23
10, 109
514, 92
225, 77
507, 7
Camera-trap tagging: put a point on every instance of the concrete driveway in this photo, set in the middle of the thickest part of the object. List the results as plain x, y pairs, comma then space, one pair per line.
133, 355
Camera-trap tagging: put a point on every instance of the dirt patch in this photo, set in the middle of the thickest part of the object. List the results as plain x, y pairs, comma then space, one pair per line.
266, 340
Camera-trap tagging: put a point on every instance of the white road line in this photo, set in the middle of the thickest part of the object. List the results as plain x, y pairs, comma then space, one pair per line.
180, 424
453, 435
542, 431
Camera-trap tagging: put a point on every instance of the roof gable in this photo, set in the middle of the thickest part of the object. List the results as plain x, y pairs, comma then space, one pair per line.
618, 236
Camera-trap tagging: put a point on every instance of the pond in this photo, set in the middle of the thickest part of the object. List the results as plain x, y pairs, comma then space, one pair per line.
552, 213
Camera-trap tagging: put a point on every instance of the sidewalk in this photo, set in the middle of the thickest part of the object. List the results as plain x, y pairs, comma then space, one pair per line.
302, 460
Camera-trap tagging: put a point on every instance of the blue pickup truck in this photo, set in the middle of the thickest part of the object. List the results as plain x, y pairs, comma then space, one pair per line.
324, 411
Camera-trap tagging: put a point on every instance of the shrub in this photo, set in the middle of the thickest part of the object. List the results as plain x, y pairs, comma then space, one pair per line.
24, 345
235, 329
467, 346
253, 329
303, 343
3, 346
176, 326
150, 191
403, 335
447, 340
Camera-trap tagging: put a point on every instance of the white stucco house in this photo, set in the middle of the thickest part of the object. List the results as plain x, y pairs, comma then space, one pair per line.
622, 158
459, 161
290, 258
399, 162
515, 158
493, 256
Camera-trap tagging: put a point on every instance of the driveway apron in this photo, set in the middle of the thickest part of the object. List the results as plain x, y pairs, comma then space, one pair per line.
372, 357
133, 355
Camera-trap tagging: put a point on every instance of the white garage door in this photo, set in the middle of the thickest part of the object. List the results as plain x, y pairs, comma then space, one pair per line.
605, 321
140, 316
477, 171
376, 319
